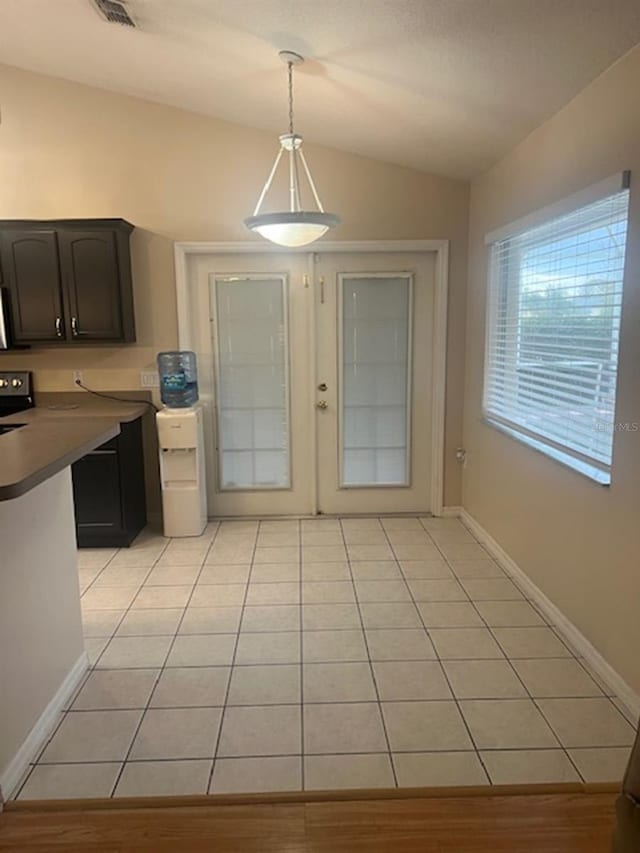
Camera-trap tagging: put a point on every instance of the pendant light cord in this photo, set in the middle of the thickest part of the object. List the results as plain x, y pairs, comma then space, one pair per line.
290, 68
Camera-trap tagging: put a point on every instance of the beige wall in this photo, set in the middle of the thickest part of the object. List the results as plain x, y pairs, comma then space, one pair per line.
579, 542
68, 150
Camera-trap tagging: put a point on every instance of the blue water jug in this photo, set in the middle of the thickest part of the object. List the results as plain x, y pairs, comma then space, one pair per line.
178, 378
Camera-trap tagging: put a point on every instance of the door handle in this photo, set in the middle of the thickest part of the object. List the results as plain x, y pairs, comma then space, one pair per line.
322, 404
74, 327
59, 326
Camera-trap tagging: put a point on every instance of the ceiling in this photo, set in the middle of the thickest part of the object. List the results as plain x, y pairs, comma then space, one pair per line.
446, 86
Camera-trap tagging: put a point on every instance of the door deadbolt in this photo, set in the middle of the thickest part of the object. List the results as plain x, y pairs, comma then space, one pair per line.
322, 386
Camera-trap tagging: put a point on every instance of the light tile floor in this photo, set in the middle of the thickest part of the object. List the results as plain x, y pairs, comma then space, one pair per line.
321, 653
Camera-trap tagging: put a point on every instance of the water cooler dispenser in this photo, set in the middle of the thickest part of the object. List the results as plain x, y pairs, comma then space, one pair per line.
181, 443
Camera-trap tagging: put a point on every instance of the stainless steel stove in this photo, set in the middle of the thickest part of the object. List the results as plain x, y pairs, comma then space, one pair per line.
16, 395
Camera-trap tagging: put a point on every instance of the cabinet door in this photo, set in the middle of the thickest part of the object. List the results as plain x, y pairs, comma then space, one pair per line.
90, 272
97, 492
32, 274
131, 452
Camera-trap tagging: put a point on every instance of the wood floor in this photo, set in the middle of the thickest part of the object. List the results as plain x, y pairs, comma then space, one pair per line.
540, 819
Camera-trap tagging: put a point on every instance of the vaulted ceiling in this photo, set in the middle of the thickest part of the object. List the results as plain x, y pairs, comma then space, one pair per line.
446, 86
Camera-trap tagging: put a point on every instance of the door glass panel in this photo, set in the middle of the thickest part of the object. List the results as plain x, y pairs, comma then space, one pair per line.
375, 399
252, 382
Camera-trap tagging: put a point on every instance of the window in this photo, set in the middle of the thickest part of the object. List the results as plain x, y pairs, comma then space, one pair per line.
555, 296
376, 378
252, 382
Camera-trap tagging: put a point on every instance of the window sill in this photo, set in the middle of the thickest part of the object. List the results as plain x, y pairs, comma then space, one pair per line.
596, 475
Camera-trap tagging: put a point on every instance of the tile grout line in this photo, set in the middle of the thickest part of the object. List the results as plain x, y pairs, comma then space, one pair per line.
87, 675
106, 565
119, 622
233, 660
555, 734
131, 603
295, 704
294, 755
572, 656
92, 666
506, 657
161, 668
443, 669
340, 631
371, 669
626, 714
346, 660
246, 607
532, 603
611, 696
529, 695
531, 698
515, 672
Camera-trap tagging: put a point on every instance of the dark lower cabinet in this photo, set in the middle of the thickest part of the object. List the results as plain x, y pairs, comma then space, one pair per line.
108, 491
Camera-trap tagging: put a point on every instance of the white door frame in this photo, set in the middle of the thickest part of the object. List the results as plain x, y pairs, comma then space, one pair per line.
185, 299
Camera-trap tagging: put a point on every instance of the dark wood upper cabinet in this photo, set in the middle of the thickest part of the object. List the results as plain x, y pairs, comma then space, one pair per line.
70, 280
32, 275
89, 260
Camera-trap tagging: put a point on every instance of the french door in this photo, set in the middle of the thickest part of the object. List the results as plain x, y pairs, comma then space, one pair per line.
322, 378
260, 309
373, 390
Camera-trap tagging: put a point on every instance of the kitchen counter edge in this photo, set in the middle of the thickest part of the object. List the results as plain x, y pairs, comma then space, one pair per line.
54, 439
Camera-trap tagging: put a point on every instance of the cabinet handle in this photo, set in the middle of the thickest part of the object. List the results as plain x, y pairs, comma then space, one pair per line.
74, 326
59, 326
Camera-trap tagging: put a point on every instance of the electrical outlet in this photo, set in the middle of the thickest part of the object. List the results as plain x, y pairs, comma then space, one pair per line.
149, 379
77, 377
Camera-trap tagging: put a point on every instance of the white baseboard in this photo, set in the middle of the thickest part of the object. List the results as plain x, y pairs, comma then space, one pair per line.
574, 637
451, 512
13, 772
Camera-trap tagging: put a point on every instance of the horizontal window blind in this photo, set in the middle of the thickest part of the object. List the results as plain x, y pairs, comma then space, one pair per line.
553, 324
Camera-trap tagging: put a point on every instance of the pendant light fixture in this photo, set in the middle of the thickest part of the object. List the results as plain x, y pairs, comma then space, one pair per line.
293, 227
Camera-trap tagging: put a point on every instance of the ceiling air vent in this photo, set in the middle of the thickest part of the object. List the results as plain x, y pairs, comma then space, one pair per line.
114, 12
